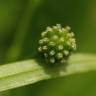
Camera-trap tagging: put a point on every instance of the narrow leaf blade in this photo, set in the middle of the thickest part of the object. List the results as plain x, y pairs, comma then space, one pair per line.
29, 71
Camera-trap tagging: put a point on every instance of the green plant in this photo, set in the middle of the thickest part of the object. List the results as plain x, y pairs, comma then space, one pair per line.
30, 71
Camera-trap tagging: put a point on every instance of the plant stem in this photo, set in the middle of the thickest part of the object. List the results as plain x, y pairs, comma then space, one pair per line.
30, 71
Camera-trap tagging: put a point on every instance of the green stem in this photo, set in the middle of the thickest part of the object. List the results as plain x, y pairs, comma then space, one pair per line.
30, 71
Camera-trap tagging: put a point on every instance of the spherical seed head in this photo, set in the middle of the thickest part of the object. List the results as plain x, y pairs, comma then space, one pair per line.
57, 43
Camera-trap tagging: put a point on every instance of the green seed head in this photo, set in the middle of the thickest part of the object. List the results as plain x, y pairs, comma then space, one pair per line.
57, 43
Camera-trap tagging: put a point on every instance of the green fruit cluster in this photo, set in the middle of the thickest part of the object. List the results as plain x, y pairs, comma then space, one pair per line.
57, 44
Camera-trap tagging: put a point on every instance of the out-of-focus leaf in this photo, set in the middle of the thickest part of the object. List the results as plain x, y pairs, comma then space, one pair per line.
22, 30
30, 71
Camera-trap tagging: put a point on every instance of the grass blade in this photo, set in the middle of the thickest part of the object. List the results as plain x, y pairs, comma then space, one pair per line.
29, 71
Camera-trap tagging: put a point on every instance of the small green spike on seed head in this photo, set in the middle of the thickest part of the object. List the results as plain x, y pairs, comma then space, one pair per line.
57, 44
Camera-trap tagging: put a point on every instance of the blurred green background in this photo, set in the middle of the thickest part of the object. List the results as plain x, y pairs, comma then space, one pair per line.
21, 22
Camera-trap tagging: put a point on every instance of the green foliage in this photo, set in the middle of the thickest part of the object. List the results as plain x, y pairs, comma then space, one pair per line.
21, 22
